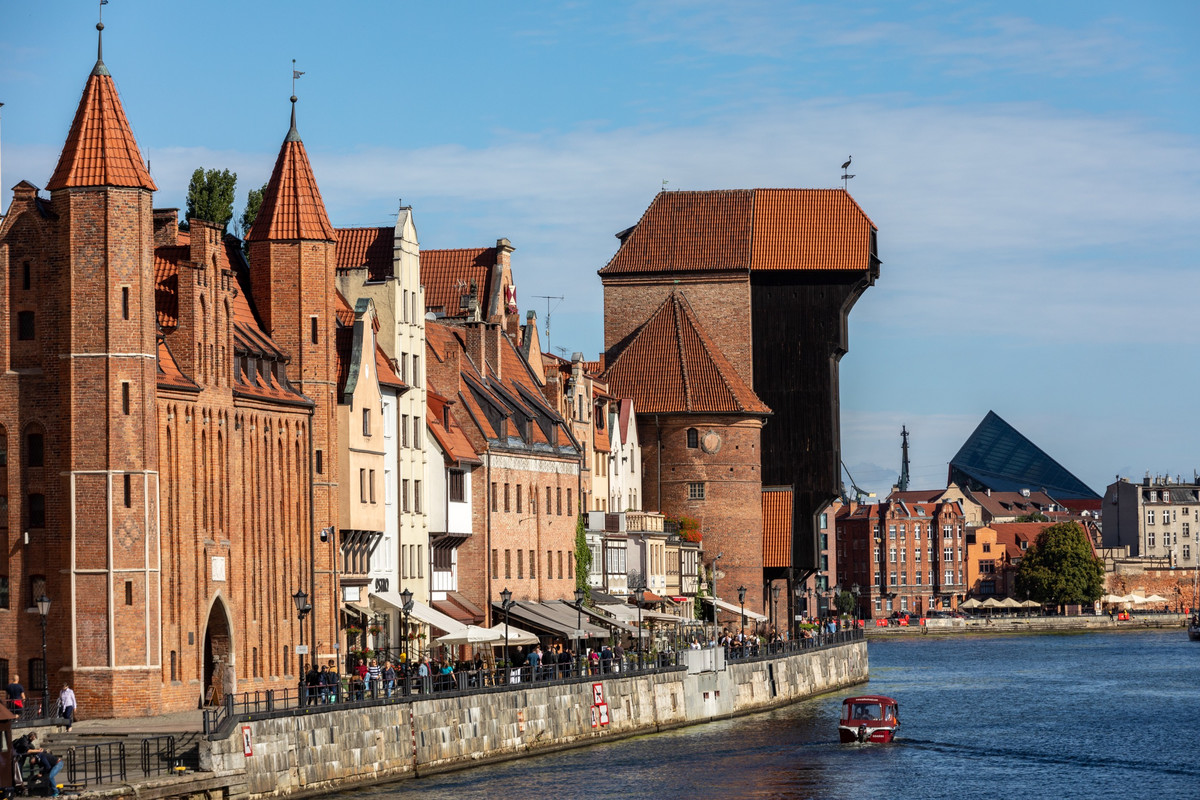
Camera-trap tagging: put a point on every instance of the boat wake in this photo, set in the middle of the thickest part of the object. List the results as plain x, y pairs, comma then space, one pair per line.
1019, 755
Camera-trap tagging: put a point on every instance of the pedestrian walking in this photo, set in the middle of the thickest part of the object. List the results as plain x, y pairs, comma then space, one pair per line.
66, 702
16, 694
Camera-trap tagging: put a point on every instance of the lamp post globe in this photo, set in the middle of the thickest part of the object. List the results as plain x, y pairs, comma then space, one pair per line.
505, 602
300, 598
855, 590
406, 604
742, 601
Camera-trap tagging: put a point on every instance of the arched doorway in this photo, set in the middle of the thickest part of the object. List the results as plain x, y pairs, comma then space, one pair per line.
218, 651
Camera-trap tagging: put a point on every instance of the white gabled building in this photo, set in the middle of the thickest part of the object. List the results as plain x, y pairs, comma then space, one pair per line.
625, 458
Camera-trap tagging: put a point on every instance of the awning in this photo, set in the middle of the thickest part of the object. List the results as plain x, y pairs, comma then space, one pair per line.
516, 636
591, 615
546, 617
735, 609
354, 611
658, 616
622, 612
435, 618
455, 611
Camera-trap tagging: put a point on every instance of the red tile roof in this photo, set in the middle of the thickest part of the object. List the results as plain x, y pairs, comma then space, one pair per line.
366, 247
747, 230
777, 526
291, 206
169, 374
672, 366
100, 148
447, 275
452, 440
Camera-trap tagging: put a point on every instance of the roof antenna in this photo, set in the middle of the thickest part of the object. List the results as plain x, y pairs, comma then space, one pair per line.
846, 176
548, 298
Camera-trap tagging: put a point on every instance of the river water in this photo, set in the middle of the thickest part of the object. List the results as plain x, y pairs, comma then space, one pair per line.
1089, 715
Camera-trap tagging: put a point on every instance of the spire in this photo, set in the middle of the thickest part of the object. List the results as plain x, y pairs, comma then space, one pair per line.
902, 483
292, 208
100, 148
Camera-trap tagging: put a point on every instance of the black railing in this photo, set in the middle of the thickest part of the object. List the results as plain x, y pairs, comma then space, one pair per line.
38, 709
158, 756
754, 650
95, 763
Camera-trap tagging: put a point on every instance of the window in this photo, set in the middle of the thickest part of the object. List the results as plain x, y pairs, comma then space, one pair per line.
570, 508
917, 554
495, 500
25, 326
892, 555
125, 397
1150, 539
124, 302
404, 495
893, 579
416, 370
35, 451
128, 491
362, 486
457, 486
560, 560
903, 559
947, 554
824, 520
532, 565
878, 554
918, 576
3, 591
949, 576
366, 422
417, 432
37, 510
312, 321
519, 505
371, 484
26, 276
37, 674
320, 459
128, 593
1187, 534
548, 506
570, 564
495, 564
520, 563
404, 430
37, 588
420, 561
693, 438
891, 531
507, 563
1187, 552
558, 501
695, 491
417, 497
1150, 517
506, 496
947, 531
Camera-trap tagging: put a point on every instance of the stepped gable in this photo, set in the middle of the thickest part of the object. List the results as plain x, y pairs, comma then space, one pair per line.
671, 365
747, 230
447, 276
372, 248
100, 148
777, 526
292, 208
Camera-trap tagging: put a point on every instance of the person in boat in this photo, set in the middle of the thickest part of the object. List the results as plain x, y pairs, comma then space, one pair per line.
863, 711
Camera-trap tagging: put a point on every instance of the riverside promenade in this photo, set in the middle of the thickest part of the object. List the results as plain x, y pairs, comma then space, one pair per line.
250, 751
1030, 624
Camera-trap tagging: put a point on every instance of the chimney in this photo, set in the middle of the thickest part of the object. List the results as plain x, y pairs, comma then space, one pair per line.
166, 227
483, 347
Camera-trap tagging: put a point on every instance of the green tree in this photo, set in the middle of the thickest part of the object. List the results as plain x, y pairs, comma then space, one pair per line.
583, 559
210, 196
1060, 567
253, 204
1036, 516
845, 603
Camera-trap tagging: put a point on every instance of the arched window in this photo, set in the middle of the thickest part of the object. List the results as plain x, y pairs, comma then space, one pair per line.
693, 438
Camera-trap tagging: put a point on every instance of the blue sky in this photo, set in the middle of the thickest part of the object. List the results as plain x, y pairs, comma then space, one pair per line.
1033, 168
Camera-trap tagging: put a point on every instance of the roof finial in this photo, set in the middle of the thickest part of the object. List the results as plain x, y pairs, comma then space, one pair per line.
293, 134
100, 69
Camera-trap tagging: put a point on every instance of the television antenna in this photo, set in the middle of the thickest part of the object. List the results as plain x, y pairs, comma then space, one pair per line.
548, 298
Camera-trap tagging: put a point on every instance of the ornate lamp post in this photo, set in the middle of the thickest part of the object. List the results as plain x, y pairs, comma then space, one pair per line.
302, 609
798, 595
43, 607
742, 600
579, 595
854, 590
639, 594
406, 604
720, 555
505, 603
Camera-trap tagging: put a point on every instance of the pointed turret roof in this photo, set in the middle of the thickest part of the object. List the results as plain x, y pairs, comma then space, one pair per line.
100, 149
672, 366
291, 206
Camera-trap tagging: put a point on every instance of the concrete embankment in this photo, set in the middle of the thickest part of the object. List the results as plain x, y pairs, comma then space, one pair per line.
316, 753
957, 627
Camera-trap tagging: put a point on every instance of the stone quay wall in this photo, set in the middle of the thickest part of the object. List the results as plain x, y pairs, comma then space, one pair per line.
317, 753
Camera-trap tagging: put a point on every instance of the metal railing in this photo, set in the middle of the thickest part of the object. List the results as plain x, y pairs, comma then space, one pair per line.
158, 756
219, 720
95, 763
39, 709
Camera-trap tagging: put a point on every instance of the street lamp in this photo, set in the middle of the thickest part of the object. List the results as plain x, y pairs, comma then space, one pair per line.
720, 555
639, 594
855, 590
406, 604
505, 602
579, 594
302, 609
43, 607
798, 595
774, 603
742, 600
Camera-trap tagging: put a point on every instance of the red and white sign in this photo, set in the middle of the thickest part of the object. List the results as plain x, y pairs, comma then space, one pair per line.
598, 693
603, 708
247, 750
595, 716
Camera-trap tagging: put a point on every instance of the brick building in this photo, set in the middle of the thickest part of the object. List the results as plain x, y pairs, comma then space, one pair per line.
772, 274
700, 426
166, 407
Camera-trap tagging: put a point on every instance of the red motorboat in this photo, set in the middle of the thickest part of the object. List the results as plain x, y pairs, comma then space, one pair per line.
869, 718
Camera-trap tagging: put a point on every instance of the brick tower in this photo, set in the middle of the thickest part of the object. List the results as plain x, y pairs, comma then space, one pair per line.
293, 260
78, 403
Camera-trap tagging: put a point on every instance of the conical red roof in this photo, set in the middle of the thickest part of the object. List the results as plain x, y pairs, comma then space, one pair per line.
100, 149
292, 207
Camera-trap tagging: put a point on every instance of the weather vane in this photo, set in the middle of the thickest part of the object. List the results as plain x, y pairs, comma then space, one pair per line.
295, 74
103, 3
846, 176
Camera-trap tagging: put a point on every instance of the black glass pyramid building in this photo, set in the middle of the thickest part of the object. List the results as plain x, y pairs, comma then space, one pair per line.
998, 457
